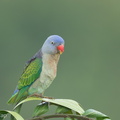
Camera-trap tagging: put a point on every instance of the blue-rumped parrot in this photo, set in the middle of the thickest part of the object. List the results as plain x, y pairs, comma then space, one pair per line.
40, 70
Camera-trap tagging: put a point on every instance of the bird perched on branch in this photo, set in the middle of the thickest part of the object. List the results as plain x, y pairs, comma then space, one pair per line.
39, 71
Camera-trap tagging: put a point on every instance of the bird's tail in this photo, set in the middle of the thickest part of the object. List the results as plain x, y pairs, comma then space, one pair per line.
18, 96
12, 100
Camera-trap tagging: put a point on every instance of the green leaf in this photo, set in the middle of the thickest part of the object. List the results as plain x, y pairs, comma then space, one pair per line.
107, 119
41, 109
28, 99
3, 114
71, 104
60, 109
95, 114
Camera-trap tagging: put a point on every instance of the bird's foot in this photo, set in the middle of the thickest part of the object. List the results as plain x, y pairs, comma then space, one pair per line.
47, 97
40, 95
36, 95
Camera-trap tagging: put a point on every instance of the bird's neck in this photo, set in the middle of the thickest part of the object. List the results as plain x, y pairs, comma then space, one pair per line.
51, 59
50, 65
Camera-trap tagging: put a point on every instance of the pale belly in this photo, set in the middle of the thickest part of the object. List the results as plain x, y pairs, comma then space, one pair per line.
43, 82
47, 75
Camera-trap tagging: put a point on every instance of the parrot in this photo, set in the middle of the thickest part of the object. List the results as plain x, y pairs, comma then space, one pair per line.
39, 71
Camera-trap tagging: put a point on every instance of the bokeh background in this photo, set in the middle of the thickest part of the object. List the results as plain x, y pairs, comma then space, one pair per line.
89, 69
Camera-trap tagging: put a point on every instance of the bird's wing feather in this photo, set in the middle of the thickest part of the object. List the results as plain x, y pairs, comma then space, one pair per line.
30, 73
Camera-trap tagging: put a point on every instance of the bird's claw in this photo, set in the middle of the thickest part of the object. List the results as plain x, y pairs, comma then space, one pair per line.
36, 95
40, 95
47, 97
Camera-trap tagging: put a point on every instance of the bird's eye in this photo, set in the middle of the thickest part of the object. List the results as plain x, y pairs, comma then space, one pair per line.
52, 42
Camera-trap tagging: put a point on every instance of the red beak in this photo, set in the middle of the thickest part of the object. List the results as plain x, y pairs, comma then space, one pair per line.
60, 48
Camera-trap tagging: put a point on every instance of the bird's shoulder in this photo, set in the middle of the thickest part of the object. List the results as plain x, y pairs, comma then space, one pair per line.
31, 71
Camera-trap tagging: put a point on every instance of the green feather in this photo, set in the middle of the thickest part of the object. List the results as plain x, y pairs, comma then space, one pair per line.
12, 99
22, 94
30, 74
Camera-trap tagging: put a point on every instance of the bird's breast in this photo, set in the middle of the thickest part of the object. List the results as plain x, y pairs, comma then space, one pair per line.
48, 72
47, 75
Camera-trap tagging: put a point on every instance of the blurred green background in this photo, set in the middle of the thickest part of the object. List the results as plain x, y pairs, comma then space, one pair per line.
89, 69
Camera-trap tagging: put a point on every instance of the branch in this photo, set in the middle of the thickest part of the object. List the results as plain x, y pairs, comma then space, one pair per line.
60, 116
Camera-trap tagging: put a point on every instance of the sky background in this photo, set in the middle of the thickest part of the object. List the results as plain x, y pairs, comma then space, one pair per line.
89, 69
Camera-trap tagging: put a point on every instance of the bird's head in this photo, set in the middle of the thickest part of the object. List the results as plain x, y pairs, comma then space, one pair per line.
53, 45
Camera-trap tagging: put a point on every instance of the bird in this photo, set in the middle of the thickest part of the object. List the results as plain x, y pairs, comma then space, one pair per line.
39, 71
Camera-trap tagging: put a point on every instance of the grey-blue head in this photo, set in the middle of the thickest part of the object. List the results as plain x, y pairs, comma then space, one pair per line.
53, 45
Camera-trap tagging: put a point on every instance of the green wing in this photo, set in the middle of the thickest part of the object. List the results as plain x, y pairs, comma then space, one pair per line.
30, 74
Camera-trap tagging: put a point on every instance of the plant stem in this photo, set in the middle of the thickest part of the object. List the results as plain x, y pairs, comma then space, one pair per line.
60, 116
